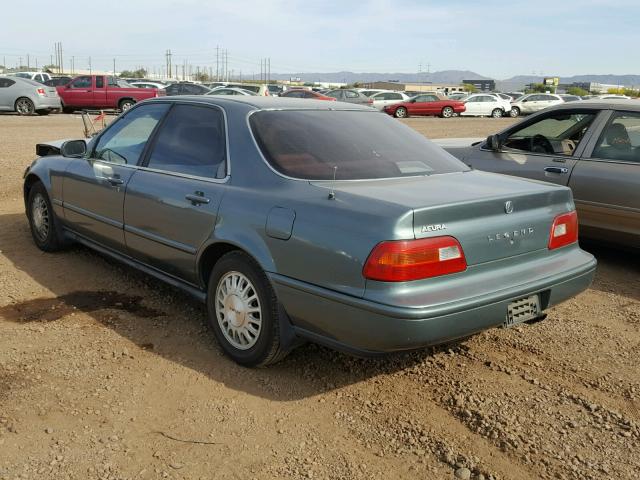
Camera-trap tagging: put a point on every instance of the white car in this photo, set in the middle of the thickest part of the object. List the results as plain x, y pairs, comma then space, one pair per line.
534, 102
39, 77
231, 91
369, 91
159, 86
382, 99
612, 96
485, 105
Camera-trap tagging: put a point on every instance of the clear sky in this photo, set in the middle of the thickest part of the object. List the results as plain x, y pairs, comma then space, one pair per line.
493, 38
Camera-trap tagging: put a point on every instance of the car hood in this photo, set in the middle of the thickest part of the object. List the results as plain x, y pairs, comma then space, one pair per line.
457, 142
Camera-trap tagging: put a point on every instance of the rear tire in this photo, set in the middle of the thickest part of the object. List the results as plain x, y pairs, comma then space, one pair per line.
126, 104
42, 220
244, 311
401, 112
514, 112
24, 106
497, 113
447, 112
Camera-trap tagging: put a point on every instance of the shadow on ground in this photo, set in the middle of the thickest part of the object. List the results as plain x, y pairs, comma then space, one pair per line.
163, 320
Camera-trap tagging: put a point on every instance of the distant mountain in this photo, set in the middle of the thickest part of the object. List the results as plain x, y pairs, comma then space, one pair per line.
445, 76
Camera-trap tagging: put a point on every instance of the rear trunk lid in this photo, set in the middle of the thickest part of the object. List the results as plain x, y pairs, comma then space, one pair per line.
492, 216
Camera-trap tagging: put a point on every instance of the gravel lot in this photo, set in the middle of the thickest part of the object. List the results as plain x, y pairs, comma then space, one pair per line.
108, 374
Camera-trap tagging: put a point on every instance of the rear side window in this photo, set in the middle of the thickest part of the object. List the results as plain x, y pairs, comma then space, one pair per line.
81, 82
620, 140
358, 144
191, 141
6, 82
99, 82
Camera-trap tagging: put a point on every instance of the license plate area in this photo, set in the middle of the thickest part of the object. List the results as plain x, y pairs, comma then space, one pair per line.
523, 310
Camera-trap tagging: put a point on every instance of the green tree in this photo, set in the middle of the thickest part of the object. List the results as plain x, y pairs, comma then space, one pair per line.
469, 88
581, 92
139, 73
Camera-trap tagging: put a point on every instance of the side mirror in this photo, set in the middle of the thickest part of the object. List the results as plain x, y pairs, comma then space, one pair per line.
493, 142
73, 149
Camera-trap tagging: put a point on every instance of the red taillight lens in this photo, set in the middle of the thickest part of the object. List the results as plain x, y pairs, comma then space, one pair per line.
406, 260
41, 92
564, 230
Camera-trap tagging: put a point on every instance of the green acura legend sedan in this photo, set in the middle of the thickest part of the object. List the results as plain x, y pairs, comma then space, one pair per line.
303, 220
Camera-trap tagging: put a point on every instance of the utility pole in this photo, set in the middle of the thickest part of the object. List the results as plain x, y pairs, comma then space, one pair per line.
114, 67
28, 65
217, 63
20, 63
90, 70
269, 70
73, 64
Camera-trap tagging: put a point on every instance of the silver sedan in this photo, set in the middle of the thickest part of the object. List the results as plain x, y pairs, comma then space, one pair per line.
27, 96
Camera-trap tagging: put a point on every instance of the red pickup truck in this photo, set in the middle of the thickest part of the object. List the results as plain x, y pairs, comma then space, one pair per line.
102, 92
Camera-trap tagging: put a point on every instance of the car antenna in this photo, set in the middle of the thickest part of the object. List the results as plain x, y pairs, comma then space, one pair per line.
332, 194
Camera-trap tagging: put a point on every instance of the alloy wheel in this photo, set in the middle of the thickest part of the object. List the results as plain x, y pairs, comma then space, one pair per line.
40, 217
238, 310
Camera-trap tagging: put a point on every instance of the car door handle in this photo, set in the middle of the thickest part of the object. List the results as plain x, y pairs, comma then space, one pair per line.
197, 198
561, 170
115, 181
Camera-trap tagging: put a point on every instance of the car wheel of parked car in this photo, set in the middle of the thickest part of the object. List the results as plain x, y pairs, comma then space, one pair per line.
126, 104
244, 311
401, 112
497, 113
24, 106
42, 220
447, 112
515, 112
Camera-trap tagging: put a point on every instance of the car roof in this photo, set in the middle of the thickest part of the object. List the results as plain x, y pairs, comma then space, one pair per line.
264, 103
600, 104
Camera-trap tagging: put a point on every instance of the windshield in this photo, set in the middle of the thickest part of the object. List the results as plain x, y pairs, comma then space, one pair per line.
308, 144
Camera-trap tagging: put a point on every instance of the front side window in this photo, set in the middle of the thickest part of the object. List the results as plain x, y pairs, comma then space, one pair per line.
620, 139
358, 145
191, 141
99, 82
124, 142
427, 98
335, 94
81, 82
557, 134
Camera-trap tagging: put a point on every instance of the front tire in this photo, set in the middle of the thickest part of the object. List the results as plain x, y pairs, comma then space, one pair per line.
497, 113
24, 106
447, 112
401, 112
243, 311
42, 220
514, 112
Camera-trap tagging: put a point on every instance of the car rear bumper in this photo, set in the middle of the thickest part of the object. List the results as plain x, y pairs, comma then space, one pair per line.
367, 327
48, 103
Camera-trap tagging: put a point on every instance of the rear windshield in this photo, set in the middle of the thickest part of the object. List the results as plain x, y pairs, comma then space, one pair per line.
358, 145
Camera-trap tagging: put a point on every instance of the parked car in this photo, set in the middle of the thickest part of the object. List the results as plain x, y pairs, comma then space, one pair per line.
457, 95
426, 104
231, 91
102, 92
338, 225
184, 88
158, 85
485, 105
514, 95
302, 93
534, 102
613, 97
349, 96
369, 91
592, 147
382, 99
260, 90
27, 96
58, 81
275, 90
39, 77
570, 98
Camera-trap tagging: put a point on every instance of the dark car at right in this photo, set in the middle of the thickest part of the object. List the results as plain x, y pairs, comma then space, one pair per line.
591, 146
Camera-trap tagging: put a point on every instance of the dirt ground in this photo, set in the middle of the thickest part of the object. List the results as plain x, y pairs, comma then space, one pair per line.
106, 373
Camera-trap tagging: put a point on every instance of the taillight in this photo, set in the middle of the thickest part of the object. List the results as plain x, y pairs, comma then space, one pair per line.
406, 260
41, 92
564, 230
